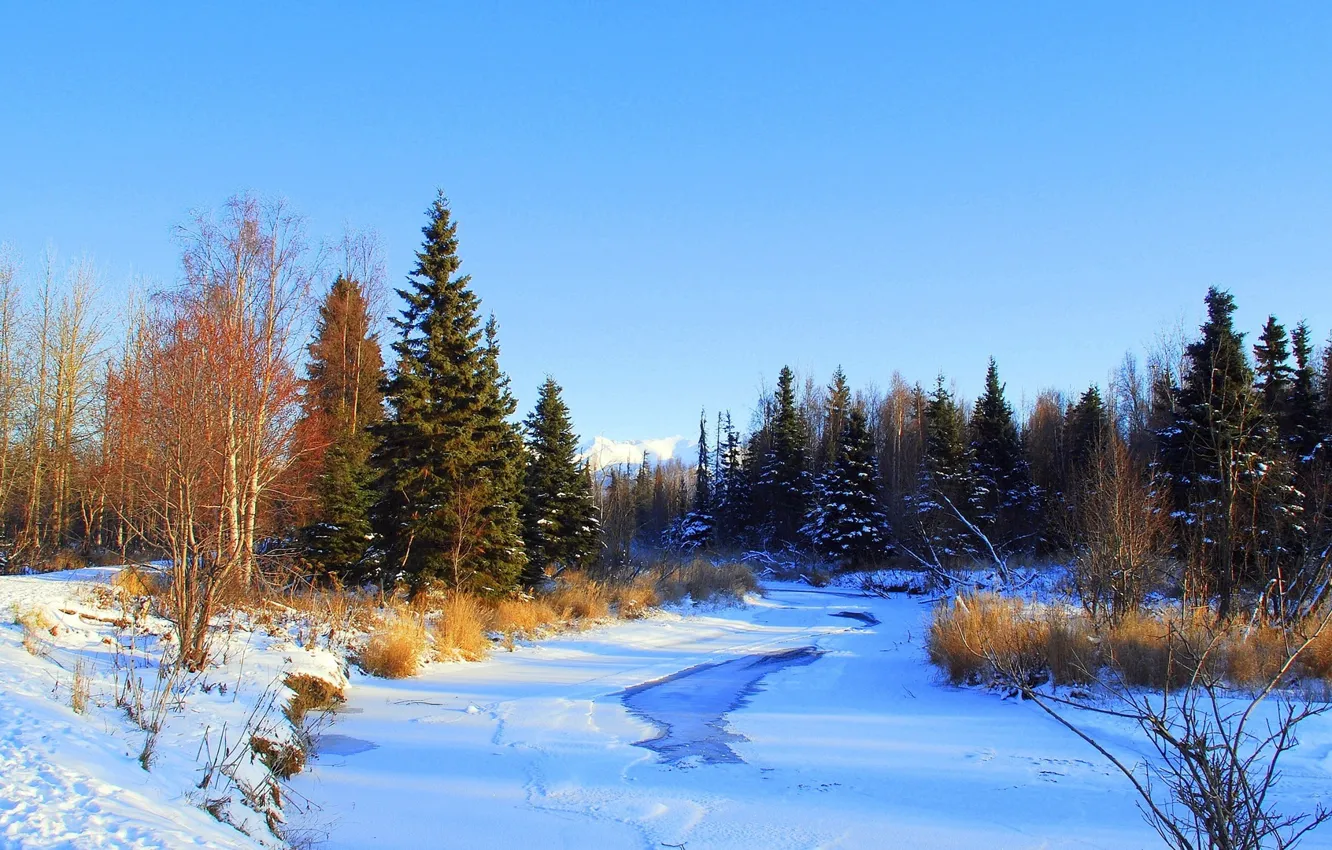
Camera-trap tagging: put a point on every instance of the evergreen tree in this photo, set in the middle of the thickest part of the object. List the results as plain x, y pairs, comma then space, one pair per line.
1220, 452
1272, 372
848, 522
945, 486
642, 497
694, 529
837, 404
731, 512
449, 462
1003, 497
1303, 432
559, 517
782, 492
1087, 428
341, 400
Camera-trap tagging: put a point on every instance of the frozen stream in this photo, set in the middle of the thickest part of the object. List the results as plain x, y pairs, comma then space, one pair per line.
808, 719
690, 707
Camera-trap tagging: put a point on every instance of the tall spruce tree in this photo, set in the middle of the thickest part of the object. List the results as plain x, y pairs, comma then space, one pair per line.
783, 488
341, 400
732, 504
1086, 430
1219, 450
1003, 497
560, 524
694, 529
836, 406
1272, 372
945, 485
1303, 432
449, 462
848, 523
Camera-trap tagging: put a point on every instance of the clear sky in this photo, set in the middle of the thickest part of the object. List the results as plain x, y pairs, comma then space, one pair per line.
665, 202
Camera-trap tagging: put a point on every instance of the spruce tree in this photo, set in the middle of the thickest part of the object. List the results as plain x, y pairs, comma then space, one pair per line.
1272, 372
1087, 428
1303, 432
731, 512
837, 404
449, 462
945, 487
1003, 497
1220, 449
693, 530
560, 527
848, 523
783, 487
341, 400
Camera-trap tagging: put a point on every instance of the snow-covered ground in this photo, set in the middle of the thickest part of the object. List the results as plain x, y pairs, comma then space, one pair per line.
74, 780
808, 718
857, 747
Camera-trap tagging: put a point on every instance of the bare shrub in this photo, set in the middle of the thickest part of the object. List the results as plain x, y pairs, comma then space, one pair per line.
462, 629
1121, 519
395, 647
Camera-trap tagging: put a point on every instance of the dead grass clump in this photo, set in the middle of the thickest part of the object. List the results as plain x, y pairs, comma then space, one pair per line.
80, 689
635, 599
984, 637
703, 581
283, 759
462, 628
309, 693
62, 559
525, 617
1159, 651
1316, 659
35, 624
1072, 649
578, 597
137, 581
395, 647
1253, 660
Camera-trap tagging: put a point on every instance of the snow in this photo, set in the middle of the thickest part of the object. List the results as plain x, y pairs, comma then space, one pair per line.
806, 718
548, 746
71, 780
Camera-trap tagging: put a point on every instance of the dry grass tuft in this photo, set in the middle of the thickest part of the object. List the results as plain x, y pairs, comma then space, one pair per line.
636, 599
525, 618
80, 689
395, 648
310, 693
703, 581
137, 581
283, 759
989, 639
35, 624
578, 597
462, 630
984, 637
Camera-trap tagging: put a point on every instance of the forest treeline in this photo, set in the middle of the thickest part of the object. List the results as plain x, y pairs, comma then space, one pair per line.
1214, 455
216, 434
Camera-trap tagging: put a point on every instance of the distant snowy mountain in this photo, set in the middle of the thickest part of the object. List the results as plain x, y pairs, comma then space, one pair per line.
603, 451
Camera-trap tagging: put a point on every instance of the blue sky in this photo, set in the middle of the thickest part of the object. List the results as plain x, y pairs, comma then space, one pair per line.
663, 203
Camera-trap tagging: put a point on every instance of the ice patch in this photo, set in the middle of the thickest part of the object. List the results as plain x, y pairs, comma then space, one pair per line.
690, 707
